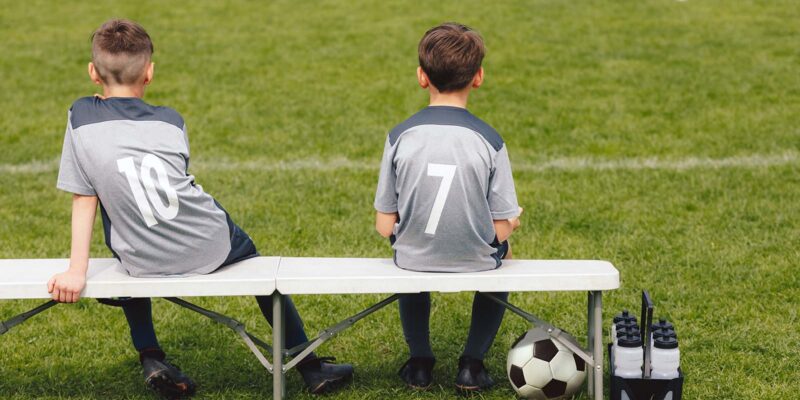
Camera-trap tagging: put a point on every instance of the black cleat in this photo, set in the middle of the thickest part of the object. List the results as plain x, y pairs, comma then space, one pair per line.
472, 376
166, 379
417, 372
322, 376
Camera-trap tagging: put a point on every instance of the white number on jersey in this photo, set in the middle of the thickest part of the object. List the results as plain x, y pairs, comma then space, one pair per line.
446, 172
150, 163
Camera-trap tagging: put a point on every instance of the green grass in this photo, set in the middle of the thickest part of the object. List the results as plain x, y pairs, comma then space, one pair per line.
595, 80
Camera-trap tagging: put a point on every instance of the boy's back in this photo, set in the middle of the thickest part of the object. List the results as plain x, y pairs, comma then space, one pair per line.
134, 157
447, 174
446, 199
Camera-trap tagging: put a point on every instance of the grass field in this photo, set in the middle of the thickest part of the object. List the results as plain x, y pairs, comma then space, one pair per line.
660, 135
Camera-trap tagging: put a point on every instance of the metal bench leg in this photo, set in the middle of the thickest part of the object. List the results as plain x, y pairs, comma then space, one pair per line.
595, 333
5, 326
278, 376
590, 339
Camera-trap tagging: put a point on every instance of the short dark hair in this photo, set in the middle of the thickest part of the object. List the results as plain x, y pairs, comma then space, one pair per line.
121, 51
451, 55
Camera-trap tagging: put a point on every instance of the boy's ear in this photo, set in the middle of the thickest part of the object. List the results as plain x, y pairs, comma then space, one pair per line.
148, 75
477, 80
93, 74
422, 78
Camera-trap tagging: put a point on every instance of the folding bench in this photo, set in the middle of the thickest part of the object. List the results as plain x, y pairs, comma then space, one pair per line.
305, 276
26, 279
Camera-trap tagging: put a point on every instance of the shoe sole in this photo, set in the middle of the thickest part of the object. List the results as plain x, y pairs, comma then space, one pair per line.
330, 385
419, 388
162, 384
469, 390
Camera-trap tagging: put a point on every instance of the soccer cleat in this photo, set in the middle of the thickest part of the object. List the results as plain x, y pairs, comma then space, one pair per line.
417, 372
321, 375
166, 379
472, 376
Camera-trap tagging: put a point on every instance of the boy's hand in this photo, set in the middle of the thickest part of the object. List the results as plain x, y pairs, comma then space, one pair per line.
515, 221
66, 287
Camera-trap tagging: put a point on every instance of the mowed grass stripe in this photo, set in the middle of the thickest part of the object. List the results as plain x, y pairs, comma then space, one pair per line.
563, 164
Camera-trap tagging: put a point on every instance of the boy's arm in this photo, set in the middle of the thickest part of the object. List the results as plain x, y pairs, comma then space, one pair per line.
384, 223
503, 228
67, 286
386, 193
503, 197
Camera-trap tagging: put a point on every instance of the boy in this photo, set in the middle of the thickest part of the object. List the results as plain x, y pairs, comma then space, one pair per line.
446, 200
132, 158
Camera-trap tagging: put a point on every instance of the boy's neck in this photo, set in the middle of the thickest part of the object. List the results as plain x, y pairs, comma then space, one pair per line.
123, 91
452, 99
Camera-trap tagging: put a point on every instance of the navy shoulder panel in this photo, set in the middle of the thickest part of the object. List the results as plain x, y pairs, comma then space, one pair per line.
444, 115
488, 133
92, 110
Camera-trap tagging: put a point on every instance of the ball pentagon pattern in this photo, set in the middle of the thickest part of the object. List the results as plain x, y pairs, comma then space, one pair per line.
540, 368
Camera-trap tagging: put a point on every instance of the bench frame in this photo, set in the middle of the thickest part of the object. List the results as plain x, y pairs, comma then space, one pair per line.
284, 359
594, 358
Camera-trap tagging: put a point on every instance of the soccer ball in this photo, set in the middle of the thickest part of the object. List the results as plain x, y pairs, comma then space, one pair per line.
541, 368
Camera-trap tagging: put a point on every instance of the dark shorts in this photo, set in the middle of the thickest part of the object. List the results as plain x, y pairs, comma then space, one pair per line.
502, 249
500, 254
242, 247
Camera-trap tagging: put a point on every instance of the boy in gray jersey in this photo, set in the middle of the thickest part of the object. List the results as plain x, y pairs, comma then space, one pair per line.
132, 159
446, 199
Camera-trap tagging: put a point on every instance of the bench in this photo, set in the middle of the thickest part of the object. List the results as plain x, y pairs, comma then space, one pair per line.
281, 276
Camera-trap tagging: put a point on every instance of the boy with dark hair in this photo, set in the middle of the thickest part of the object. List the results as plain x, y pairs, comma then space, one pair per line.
446, 199
132, 159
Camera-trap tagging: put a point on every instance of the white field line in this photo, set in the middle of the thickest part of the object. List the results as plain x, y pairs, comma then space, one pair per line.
557, 164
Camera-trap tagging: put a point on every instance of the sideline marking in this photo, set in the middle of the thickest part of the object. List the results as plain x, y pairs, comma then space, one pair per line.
576, 164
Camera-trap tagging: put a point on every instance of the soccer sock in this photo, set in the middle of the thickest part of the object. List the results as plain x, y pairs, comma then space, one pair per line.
486, 318
415, 314
295, 334
139, 314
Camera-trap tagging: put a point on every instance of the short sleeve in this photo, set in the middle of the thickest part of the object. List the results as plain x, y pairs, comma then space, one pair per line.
187, 154
502, 194
71, 176
386, 195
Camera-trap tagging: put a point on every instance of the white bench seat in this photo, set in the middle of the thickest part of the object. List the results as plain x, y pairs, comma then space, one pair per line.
308, 275
27, 279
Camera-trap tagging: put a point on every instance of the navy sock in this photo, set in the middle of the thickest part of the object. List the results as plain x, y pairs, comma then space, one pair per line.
486, 318
295, 334
415, 313
139, 314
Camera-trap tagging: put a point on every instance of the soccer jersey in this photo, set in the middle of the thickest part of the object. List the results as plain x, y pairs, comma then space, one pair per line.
447, 174
135, 158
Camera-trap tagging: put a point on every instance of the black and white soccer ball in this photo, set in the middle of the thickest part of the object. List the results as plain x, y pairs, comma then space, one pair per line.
541, 368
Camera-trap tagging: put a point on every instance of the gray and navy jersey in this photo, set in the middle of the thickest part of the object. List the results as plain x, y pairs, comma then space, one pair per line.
135, 158
447, 174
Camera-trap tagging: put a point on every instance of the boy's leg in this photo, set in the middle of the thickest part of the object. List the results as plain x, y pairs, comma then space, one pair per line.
486, 316
295, 333
319, 374
139, 314
242, 248
415, 313
159, 374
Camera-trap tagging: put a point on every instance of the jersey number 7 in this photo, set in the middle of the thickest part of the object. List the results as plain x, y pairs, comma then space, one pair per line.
150, 163
446, 172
